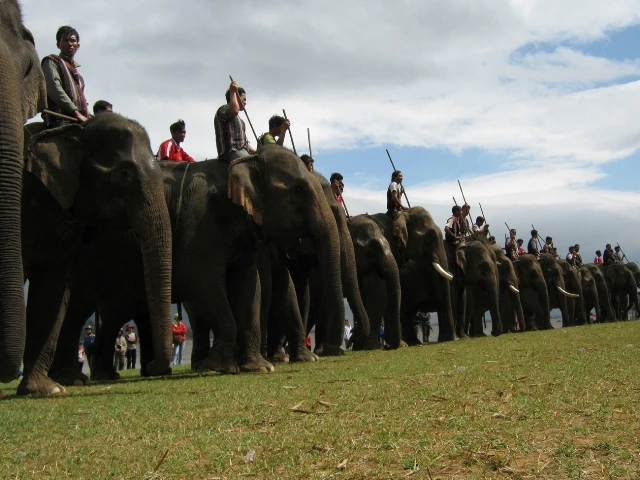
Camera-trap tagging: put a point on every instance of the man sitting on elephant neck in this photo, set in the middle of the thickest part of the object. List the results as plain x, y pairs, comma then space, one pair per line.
102, 106
570, 257
278, 127
618, 255
479, 228
171, 149
465, 228
65, 85
511, 246
231, 138
532, 246
337, 186
308, 162
577, 258
394, 194
452, 229
598, 257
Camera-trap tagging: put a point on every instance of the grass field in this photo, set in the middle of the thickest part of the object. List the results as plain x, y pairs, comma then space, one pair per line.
554, 404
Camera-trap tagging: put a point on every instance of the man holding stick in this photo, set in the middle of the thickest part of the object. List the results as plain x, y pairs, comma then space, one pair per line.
231, 137
278, 127
394, 195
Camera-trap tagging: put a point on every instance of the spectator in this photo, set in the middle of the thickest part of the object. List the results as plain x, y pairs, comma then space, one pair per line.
598, 258
308, 162
347, 334
132, 350
307, 341
120, 352
80, 355
171, 149
65, 85
102, 106
89, 345
179, 330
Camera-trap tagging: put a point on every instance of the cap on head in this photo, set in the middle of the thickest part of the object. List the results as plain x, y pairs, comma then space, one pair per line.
129, 327
88, 327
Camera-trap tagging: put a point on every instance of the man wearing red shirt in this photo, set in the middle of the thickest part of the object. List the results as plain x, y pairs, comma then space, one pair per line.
171, 149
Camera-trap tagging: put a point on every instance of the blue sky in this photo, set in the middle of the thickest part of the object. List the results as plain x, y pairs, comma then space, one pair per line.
533, 105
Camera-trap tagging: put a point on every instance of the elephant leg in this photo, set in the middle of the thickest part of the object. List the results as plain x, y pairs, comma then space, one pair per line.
64, 369
375, 302
147, 353
276, 340
46, 308
263, 262
200, 330
243, 286
285, 308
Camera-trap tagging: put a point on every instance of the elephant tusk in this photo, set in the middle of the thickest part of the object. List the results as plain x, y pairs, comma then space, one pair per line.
514, 289
564, 292
442, 271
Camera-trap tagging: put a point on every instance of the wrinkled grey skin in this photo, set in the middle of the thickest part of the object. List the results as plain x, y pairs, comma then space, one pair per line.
418, 238
590, 296
604, 300
375, 264
622, 288
575, 306
100, 174
510, 303
533, 293
476, 283
23, 94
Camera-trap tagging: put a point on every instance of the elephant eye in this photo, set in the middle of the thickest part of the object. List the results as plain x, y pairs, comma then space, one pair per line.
299, 191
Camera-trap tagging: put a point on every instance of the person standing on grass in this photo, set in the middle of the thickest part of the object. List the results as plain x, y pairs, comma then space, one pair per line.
179, 330
119, 355
80, 356
132, 350
89, 345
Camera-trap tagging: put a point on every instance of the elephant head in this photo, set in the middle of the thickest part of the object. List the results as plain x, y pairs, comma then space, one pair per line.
554, 277
510, 304
477, 278
104, 173
533, 292
413, 235
287, 202
575, 305
23, 95
622, 286
373, 257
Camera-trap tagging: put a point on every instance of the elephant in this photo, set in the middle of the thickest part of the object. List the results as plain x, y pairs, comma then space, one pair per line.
23, 95
220, 213
635, 270
511, 312
533, 293
605, 312
590, 298
413, 235
575, 305
555, 279
376, 265
623, 289
303, 266
77, 178
476, 285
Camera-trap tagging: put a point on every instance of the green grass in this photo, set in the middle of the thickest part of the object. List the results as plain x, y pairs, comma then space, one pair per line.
555, 404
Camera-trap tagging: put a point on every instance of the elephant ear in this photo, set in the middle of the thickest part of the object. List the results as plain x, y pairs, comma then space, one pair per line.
34, 90
243, 185
400, 230
55, 157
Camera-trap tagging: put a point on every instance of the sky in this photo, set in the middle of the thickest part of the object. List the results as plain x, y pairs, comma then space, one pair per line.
534, 106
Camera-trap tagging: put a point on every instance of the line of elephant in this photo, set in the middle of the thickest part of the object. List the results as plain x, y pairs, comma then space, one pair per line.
258, 251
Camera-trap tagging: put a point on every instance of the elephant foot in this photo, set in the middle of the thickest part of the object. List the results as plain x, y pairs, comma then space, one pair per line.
319, 349
496, 332
105, 375
365, 343
145, 373
412, 342
39, 385
477, 334
462, 335
218, 361
280, 356
70, 377
331, 351
303, 355
257, 365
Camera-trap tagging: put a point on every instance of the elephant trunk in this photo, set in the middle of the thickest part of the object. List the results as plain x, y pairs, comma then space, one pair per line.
392, 327
324, 231
494, 307
12, 309
349, 276
150, 221
543, 295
